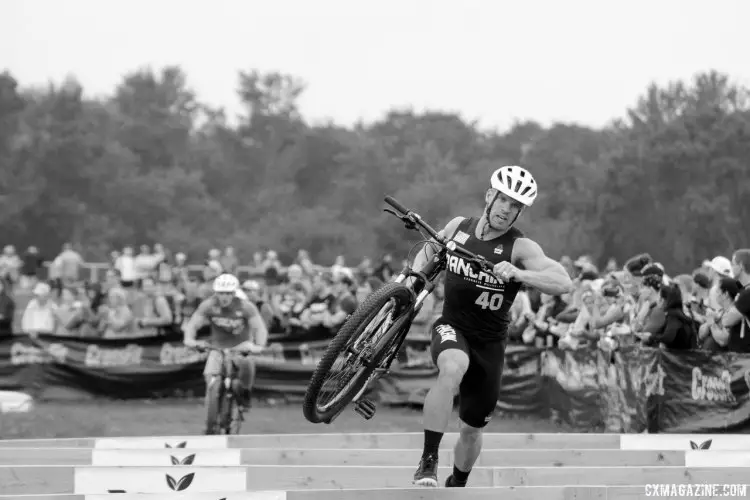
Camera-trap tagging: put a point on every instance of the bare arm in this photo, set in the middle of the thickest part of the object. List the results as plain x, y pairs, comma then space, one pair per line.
540, 272
197, 320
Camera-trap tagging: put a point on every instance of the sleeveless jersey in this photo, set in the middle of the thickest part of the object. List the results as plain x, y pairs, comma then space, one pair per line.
230, 325
476, 302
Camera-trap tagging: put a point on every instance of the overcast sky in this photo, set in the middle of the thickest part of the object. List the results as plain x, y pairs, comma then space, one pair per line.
490, 60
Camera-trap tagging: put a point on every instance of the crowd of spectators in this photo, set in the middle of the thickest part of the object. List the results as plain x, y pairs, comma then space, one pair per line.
154, 292
642, 303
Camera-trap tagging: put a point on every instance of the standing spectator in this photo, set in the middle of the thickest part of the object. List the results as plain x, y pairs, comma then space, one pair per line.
125, 264
39, 316
229, 262
180, 274
10, 265
7, 311
677, 331
740, 313
69, 262
146, 262
384, 271
32, 265
713, 335
719, 267
66, 312
272, 270
303, 259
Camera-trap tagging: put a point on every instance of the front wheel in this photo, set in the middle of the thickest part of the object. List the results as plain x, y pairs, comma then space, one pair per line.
214, 397
356, 351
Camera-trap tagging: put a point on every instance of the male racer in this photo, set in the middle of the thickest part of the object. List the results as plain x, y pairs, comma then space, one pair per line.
468, 340
232, 319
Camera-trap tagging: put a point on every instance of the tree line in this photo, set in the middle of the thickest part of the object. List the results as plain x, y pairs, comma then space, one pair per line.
152, 163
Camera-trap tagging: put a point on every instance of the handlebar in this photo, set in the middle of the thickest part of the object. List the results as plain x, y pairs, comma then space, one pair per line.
414, 221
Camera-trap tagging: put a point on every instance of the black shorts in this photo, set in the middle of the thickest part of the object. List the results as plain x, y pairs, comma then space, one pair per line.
480, 386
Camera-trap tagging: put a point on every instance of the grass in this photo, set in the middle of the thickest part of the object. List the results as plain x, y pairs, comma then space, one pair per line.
185, 417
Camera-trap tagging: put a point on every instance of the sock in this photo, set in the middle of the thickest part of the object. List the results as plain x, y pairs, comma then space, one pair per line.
431, 442
459, 475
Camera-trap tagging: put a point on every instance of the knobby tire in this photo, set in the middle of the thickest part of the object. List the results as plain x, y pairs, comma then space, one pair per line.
350, 331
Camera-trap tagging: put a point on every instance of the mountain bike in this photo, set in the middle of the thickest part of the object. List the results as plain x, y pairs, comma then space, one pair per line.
368, 342
224, 414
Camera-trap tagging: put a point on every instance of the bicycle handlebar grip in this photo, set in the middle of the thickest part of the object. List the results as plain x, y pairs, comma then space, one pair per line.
395, 204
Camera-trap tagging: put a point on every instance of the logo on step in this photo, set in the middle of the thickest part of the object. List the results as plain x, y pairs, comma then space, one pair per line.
174, 484
703, 446
188, 460
178, 445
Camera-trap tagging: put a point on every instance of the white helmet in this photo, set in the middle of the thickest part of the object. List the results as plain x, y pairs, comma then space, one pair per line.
515, 182
226, 283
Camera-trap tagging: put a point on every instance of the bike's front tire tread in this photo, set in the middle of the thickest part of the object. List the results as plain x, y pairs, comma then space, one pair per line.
353, 326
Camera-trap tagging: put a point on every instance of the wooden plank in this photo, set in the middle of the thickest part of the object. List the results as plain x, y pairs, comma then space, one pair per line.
48, 443
414, 440
36, 479
708, 458
45, 456
615, 476
489, 457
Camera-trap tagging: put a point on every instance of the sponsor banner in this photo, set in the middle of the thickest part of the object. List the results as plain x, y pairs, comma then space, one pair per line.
629, 391
108, 480
165, 457
153, 443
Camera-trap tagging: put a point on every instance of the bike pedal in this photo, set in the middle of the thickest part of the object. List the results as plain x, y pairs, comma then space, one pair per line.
365, 408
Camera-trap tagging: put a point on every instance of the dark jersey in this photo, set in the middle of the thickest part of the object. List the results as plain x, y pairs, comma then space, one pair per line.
477, 302
230, 326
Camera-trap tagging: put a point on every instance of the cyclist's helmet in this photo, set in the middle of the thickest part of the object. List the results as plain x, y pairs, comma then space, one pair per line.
226, 283
515, 182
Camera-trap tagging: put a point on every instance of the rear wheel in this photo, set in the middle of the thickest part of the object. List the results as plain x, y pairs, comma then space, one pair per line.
356, 351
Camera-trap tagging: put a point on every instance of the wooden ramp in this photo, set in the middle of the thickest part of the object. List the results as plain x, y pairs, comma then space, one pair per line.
374, 467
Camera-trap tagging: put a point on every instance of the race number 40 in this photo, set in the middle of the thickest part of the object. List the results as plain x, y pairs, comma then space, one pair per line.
492, 302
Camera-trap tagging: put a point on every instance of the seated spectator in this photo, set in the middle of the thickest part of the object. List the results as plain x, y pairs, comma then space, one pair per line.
66, 312
39, 316
7, 310
120, 321
90, 312
151, 309
677, 331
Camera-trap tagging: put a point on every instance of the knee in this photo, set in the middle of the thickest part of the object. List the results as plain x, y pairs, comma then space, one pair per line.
452, 368
469, 433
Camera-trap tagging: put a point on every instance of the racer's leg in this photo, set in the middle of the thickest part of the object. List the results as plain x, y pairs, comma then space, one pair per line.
478, 399
450, 353
246, 376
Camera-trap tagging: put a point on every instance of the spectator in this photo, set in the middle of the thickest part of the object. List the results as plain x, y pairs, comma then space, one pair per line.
66, 312
719, 267
290, 305
146, 262
39, 316
7, 310
678, 331
33, 263
257, 295
229, 262
651, 315
739, 314
271, 268
125, 265
151, 309
180, 274
712, 334
304, 261
69, 263
10, 266
384, 270
120, 320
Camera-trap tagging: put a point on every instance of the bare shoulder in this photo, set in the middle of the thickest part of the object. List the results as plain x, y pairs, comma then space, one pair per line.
450, 229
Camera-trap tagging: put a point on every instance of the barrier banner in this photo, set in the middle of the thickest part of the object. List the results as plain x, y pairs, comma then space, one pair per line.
630, 390
705, 392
